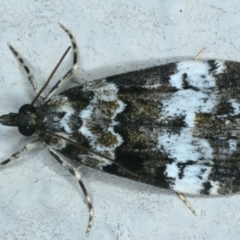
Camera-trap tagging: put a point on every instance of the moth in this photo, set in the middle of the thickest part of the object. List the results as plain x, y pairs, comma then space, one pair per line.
174, 126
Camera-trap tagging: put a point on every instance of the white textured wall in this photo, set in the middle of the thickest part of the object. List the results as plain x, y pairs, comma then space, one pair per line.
39, 199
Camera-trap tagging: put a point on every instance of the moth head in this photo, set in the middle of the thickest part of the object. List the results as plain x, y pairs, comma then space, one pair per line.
20, 120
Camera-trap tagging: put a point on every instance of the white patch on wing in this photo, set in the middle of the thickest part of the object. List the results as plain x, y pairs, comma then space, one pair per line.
194, 176
214, 189
220, 67
187, 103
235, 104
198, 74
194, 70
86, 132
86, 113
232, 145
121, 107
60, 104
64, 122
182, 147
106, 93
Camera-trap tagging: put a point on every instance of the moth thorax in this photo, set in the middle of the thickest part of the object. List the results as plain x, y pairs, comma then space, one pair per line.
24, 121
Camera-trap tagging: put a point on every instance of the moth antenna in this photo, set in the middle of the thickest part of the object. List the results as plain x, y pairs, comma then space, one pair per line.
71, 73
75, 54
76, 144
30, 76
50, 77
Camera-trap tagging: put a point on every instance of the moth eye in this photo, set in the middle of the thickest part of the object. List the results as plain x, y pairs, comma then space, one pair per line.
23, 123
27, 108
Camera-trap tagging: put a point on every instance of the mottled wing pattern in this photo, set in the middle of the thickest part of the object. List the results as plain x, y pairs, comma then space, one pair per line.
176, 126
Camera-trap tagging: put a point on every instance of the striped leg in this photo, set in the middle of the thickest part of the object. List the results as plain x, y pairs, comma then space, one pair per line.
30, 76
186, 202
71, 72
200, 54
77, 175
17, 154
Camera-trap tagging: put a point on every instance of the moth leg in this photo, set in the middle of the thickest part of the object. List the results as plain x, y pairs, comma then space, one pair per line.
77, 175
71, 72
200, 54
186, 202
17, 154
30, 76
